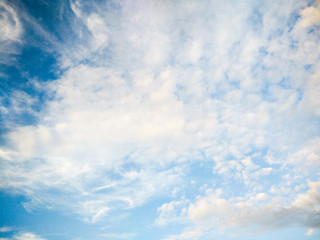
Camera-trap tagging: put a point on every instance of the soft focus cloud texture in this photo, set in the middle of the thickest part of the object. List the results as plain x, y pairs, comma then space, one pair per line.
212, 107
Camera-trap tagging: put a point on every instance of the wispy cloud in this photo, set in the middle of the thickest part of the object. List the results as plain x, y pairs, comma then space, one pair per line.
5, 229
118, 236
10, 31
27, 236
24, 236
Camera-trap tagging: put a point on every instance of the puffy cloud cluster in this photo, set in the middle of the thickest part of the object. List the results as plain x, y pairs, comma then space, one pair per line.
215, 210
256, 212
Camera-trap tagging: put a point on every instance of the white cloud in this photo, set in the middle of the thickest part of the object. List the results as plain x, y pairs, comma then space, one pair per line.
5, 229
11, 28
310, 15
187, 234
118, 235
10, 31
173, 211
308, 158
310, 232
215, 211
27, 236
162, 86
259, 213
99, 31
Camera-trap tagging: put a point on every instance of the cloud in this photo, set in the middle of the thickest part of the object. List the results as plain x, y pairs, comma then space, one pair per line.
118, 236
171, 212
307, 158
10, 31
148, 90
213, 210
310, 16
187, 234
24, 236
310, 232
27, 236
11, 28
6, 229
258, 213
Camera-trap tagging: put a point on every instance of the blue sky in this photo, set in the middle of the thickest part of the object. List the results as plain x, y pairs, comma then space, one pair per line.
165, 120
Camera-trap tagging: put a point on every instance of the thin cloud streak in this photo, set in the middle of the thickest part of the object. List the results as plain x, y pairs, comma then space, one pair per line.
11, 31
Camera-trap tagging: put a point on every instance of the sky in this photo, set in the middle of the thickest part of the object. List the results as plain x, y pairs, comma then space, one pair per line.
159, 119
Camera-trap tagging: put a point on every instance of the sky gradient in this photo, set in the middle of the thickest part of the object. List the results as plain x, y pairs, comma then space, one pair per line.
159, 119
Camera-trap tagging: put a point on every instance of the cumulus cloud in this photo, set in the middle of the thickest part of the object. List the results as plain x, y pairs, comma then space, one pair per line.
258, 212
310, 16
156, 87
217, 211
